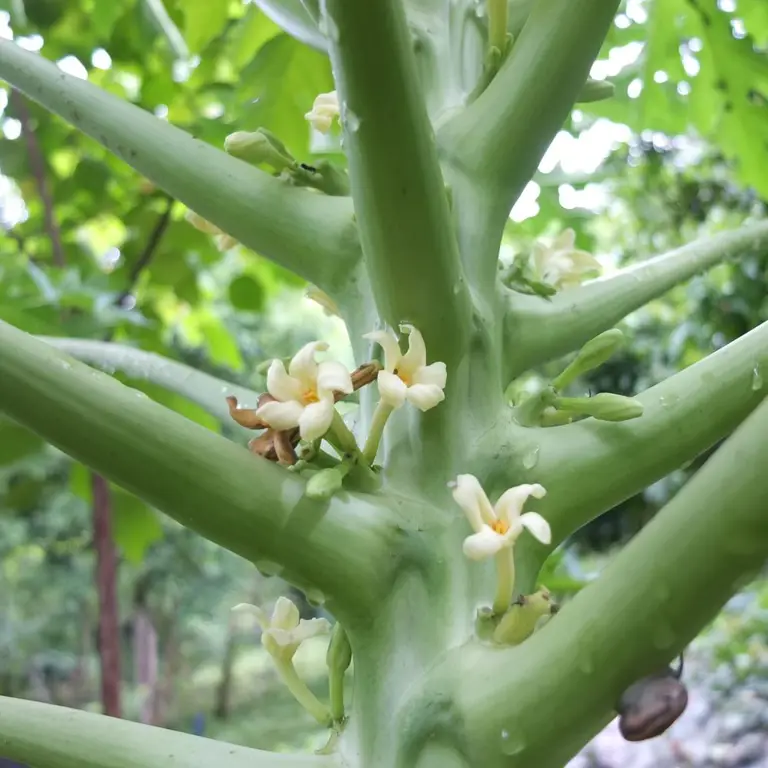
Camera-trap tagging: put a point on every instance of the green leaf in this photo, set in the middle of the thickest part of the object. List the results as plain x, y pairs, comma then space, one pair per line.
134, 525
58, 737
222, 347
284, 79
251, 33
293, 17
203, 20
247, 294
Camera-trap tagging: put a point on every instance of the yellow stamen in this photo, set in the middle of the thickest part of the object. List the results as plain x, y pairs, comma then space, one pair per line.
500, 526
310, 396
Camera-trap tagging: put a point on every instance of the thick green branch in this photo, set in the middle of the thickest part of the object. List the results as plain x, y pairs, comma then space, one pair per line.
341, 548
308, 233
58, 737
539, 330
501, 137
652, 599
400, 202
207, 391
590, 466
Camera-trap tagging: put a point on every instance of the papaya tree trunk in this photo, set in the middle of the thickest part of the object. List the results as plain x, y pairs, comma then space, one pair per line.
106, 584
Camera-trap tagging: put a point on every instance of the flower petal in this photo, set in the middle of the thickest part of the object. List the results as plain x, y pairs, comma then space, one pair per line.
333, 377
510, 504
470, 496
310, 628
432, 374
583, 261
253, 610
425, 396
281, 416
303, 366
565, 240
537, 525
483, 544
390, 346
316, 419
539, 256
285, 615
416, 356
280, 385
392, 389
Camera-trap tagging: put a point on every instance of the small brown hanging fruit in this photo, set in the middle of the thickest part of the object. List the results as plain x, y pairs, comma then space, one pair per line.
650, 705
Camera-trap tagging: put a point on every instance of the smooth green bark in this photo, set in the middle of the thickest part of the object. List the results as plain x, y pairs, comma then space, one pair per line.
401, 206
312, 235
648, 603
57, 737
339, 549
537, 330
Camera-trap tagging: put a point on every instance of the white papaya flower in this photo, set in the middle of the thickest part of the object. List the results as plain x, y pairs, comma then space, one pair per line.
304, 394
283, 632
561, 264
324, 110
407, 376
497, 527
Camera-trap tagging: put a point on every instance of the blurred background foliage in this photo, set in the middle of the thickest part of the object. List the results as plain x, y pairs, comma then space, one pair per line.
91, 249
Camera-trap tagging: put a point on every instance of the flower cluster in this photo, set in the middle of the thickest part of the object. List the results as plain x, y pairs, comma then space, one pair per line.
281, 635
497, 528
283, 632
560, 264
300, 400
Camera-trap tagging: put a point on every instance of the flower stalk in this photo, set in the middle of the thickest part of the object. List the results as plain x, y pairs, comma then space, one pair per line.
380, 416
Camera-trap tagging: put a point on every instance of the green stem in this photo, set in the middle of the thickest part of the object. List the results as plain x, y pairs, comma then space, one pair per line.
199, 387
646, 606
537, 331
59, 737
497, 24
380, 416
697, 407
502, 136
336, 694
505, 581
340, 437
186, 471
301, 692
310, 234
399, 197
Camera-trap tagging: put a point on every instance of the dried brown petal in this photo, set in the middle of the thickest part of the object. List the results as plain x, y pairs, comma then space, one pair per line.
284, 446
246, 417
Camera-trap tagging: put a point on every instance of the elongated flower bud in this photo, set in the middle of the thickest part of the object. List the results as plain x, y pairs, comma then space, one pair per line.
257, 148
325, 483
605, 406
592, 355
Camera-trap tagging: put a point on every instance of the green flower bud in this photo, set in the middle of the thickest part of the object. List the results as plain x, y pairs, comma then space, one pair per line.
520, 621
595, 90
257, 148
339, 655
592, 355
325, 483
605, 406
